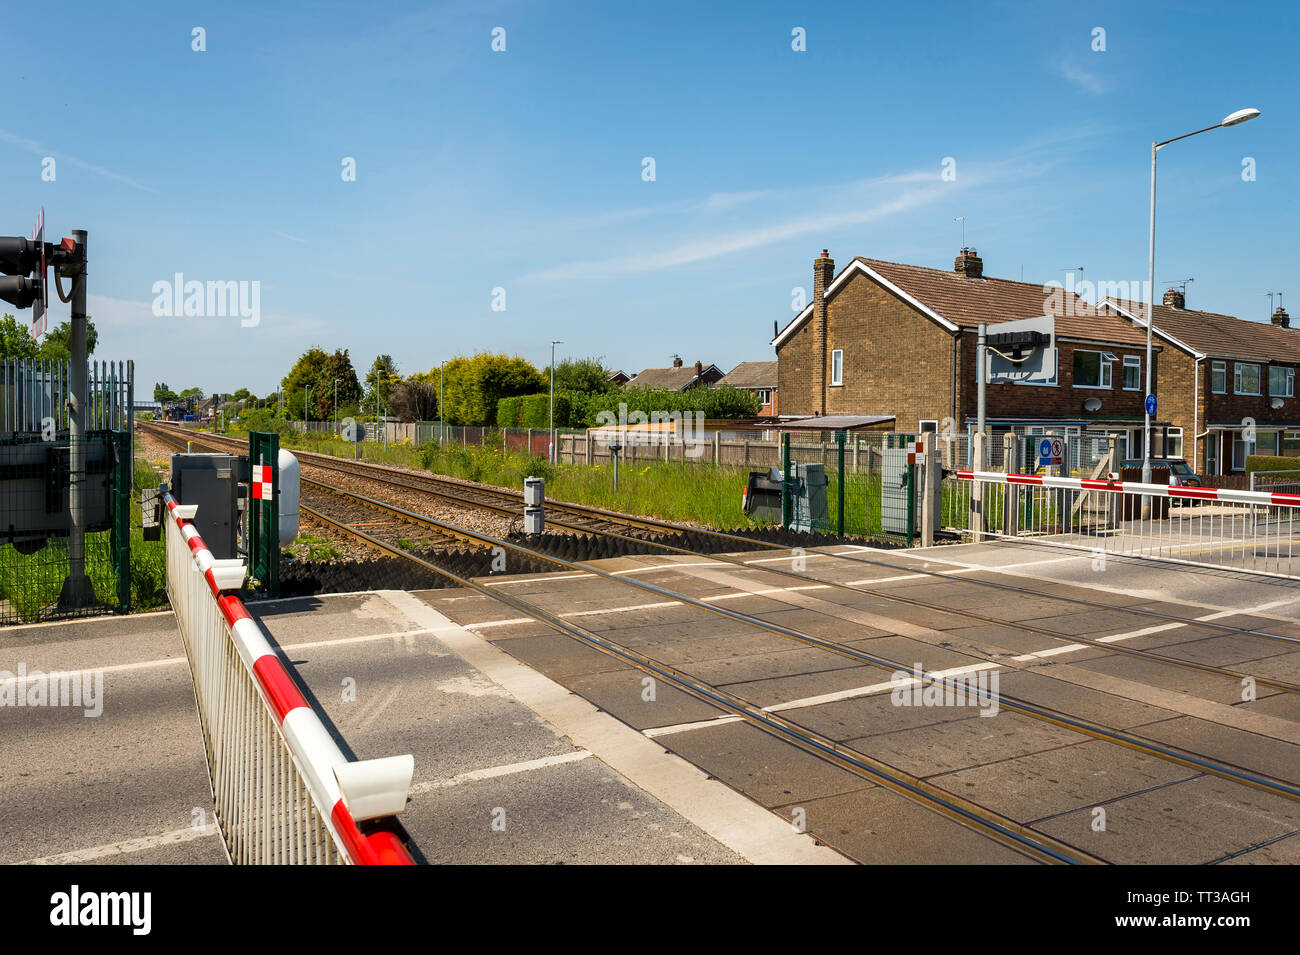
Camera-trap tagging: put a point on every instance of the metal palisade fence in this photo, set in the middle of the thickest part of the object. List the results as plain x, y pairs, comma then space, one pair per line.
37, 573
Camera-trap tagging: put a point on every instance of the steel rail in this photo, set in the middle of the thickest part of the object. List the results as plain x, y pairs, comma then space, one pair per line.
352, 467
993, 825
1033, 710
1236, 676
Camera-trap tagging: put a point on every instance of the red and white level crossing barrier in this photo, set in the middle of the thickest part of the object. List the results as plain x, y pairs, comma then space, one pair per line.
284, 792
1134, 487
1251, 531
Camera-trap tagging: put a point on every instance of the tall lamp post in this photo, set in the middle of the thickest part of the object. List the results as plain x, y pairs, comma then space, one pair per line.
551, 445
1232, 119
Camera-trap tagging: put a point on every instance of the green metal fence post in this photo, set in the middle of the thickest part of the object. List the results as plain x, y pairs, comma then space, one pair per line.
839, 448
121, 535
785, 481
264, 516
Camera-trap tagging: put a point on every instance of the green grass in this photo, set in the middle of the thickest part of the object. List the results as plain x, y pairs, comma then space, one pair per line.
313, 548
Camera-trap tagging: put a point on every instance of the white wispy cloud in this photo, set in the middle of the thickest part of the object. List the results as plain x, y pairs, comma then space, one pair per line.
1085, 80
32, 146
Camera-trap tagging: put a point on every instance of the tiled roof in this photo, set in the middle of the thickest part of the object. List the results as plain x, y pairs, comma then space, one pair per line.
968, 301
752, 374
1221, 335
675, 378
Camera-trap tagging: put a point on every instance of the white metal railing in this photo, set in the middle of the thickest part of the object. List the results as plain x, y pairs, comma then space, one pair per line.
1250, 531
283, 790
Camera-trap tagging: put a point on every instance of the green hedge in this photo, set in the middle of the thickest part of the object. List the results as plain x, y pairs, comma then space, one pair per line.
720, 401
533, 411
1270, 462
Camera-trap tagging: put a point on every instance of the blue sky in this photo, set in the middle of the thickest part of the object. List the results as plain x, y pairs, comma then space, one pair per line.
522, 169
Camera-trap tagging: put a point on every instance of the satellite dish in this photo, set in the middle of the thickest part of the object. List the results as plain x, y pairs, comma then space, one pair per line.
1092, 404
1275, 403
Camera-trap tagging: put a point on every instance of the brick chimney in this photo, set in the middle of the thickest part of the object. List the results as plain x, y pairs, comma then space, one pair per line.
969, 264
1280, 318
823, 273
677, 361
699, 370
1176, 298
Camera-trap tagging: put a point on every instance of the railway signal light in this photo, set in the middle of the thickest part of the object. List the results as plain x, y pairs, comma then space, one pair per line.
22, 261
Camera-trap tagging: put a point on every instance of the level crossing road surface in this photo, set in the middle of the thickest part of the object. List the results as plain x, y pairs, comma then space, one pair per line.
530, 747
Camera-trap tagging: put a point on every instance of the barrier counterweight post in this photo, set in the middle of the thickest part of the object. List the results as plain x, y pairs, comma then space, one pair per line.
839, 495
785, 481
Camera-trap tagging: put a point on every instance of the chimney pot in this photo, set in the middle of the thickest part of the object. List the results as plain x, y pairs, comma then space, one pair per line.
1175, 298
1280, 318
969, 264
699, 368
677, 361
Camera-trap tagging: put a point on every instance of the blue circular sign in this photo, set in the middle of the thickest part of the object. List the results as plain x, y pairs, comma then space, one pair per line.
1151, 404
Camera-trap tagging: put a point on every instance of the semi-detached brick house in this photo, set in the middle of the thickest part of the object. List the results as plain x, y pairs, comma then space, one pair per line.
886, 338
1224, 379
759, 379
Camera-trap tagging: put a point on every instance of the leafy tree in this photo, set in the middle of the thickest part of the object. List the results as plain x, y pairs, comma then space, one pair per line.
380, 382
191, 394
474, 386
583, 375
414, 400
162, 393
316, 371
57, 343
15, 340
243, 394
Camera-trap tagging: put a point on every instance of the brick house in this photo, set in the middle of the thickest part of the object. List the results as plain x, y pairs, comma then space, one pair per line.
759, 379
887, 338
678, 377
1222, 379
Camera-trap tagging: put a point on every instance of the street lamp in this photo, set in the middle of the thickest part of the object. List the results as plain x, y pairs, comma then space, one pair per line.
551, 445
1232, 119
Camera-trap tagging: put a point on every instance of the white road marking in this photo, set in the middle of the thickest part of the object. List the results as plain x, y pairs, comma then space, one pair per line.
495, 772
732, 819
856, 692
174, 837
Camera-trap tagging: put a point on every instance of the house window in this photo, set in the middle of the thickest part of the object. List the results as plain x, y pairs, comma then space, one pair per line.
1132, 373
1245, 378
764, 396
1281, 381
1174, 443
929, 425
1092, 369
1219, 377
1291, 444
837, 366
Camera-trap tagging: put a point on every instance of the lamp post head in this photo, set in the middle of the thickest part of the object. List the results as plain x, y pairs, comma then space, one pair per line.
1240, 116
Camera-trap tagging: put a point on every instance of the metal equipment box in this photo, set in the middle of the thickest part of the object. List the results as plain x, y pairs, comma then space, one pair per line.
212, 482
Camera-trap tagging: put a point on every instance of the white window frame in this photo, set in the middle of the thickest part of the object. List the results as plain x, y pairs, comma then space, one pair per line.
1237, 366
1172, 435
924, 421
764, 395
837, 367
1132, 361
1104, 365
1219, 368
1288, 374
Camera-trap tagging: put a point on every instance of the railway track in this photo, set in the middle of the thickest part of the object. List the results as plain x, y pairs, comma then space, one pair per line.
583, 519
990, 824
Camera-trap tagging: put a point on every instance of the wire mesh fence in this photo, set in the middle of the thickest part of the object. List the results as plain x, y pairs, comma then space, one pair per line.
40, 575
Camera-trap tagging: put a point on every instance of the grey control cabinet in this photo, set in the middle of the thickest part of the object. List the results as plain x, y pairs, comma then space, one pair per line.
212, 482
809, 509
